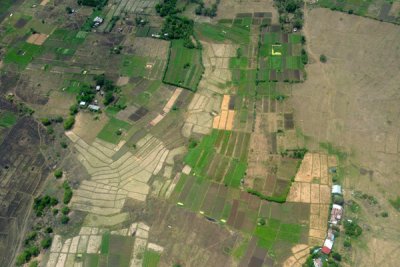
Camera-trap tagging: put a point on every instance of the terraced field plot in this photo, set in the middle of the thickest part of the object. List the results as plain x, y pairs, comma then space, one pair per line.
184, 66
113, 178
221, 157
280, 56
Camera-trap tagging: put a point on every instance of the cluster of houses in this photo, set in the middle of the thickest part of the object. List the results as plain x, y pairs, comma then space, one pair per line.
92, 107
335, 217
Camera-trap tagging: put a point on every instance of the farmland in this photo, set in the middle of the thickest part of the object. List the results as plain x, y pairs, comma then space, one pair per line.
143, 133
184, 66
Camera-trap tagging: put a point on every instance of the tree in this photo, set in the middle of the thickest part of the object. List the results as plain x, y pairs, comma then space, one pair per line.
67, 192
23, 257
338, 199
73, 109
323, 58
46, 242
304, 56
69, 123
34, 264
69, 10
46, 121
65, 210
336, 256
58, 173
352, 228
34, 250
108, 98
64, 219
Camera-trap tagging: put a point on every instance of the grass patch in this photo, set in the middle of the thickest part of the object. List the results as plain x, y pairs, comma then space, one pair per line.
184, 66
109, 132
22, 54
7, 119
133, 66
239, 34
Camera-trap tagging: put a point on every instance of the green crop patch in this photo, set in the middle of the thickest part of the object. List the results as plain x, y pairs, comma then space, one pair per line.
105, 243
280, 57
113, 130
184, 66
151, 258
238, 33
221, 156
7, 119
22, 54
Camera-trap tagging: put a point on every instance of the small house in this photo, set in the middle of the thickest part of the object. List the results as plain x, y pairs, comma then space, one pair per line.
327, 247
94, 107
97, 21
98, 88
317, 262
336, 213
82, 104
336, 189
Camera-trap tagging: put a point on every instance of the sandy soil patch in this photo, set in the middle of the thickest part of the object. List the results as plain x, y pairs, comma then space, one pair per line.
37, 38
44, 2
122, 81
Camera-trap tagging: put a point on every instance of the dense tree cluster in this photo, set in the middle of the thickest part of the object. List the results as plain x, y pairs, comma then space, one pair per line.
201, 9
93, 3
40, 204
167, 8
291, 13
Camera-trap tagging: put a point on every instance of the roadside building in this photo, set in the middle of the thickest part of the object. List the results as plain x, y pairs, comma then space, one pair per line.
336, 213
317, 262
327, 247
336, 189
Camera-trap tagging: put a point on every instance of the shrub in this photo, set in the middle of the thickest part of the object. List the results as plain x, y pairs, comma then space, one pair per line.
337, 199
67, 192
347, 243
58, 173
64, 219
23, 257
34, 250
55, 212
46, 242
69, 123
65, 210
34, 264
46, 121
63, 144
58, 119
323, 58
384, 214
48, 230
73, 109
30, 237
352, 228
395, 203
304, 56
336, 256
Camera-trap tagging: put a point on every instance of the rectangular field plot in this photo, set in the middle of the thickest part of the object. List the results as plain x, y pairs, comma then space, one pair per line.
113, 130
217, 202
237, 33
221, 157
184, 66
280, 56
7, 119
151, 258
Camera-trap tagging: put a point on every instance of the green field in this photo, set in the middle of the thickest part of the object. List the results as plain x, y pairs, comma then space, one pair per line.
22, 54
238, 33
221, 156
109, 131
133, 66
184, 66
7, 119
151, 258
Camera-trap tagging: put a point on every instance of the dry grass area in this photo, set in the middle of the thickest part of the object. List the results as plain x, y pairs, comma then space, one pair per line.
167, 108
351, 101
85, 121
